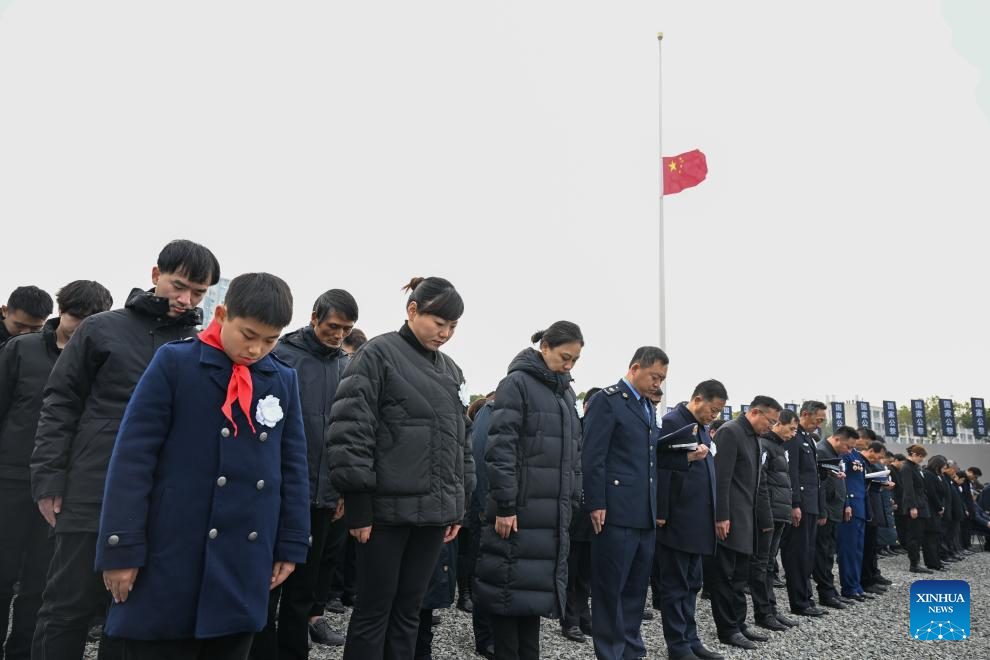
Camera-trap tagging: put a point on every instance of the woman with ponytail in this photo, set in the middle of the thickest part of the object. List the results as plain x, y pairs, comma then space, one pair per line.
401, 459
534, 475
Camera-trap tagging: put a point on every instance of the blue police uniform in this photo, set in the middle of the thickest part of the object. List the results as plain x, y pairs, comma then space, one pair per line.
686, 501
619, 465
203, 511
851, 533
797, 546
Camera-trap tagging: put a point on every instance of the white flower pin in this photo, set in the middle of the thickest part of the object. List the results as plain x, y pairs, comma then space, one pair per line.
269, 411
465, 397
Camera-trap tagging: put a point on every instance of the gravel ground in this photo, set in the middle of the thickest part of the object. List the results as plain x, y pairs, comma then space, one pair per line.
875, 629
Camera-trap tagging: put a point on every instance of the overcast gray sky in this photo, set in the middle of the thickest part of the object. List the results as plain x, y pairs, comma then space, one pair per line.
837, 247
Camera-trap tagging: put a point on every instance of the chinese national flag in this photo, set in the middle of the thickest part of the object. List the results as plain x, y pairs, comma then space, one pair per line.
684, 171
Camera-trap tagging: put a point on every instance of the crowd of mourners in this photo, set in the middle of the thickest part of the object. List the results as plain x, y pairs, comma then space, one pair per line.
169, 490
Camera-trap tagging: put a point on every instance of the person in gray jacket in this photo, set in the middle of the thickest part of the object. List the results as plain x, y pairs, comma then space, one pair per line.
779, 497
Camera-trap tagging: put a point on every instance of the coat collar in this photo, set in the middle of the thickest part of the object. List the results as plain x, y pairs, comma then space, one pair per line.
220, 368
632, 402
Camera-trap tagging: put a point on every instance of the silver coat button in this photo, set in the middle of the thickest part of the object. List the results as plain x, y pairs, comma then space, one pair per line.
222, 481
263, 436
225, 432
615, 483
253, 536
311, 539
214, 533
113, 540
260, 484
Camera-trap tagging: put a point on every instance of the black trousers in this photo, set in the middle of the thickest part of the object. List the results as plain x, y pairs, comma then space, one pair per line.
516, 637
825, 547
920, 536
761, 571
871, 568
293, 603
797, 553
577, 611
467, 555
73, 593
393, 572
229, 647
25, 554
679, 576
726, 574
929, 542
343, 582
424, 638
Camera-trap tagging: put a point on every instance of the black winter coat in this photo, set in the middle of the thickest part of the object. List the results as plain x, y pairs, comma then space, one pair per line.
320, 369
25, 363
913, 494
833, 487
778, 476
400, 449
738, 483
936, 492
534, 472
85, 398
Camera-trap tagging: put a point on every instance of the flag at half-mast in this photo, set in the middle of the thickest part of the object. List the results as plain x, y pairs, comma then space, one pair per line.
684, 171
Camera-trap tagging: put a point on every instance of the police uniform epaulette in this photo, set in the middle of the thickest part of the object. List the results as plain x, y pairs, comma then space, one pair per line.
611, 389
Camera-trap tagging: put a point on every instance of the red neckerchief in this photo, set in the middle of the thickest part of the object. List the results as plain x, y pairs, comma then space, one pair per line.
240, 388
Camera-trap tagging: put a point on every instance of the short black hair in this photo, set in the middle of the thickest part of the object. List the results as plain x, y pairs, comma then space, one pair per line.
190, 259
560, 332
936, 463
436, 296
716, 424
787, 416
83, 298
975, 470
335, 300
867, 433
877, 446
31, 300
590, 393
647, 356
762, 401
847, 432
356, 339
900, 457
260, 296
709, 390
809, 407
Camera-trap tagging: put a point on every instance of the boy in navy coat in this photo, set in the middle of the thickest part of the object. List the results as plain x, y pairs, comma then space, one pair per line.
206, 505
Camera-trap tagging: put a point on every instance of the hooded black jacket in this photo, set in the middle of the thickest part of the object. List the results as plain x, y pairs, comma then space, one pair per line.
534, 472
25, 363
400, 452
777, 468
85, 399
320, 369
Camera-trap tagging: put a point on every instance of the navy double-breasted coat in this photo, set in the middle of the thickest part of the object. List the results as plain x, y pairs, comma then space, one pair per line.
201, 512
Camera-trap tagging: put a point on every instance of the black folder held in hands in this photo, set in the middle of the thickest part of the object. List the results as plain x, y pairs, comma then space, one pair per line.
683, 439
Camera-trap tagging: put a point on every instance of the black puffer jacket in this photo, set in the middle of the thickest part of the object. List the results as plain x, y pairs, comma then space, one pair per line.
400, 452
778, 476
320, 369
914, 496
85, 399
534, 472
834, 487
25, 363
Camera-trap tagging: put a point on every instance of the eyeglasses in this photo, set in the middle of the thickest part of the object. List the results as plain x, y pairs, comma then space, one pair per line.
773, 422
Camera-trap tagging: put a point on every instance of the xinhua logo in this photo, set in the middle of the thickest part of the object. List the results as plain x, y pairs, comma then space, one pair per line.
940, 610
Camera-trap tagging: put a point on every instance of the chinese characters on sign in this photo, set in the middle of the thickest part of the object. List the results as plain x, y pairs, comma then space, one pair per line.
727, 413
947, 415
890, 426
863, 415
979, 418
838, 414
919, 425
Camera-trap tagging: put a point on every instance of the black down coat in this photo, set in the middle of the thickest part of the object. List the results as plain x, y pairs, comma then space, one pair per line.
85, 398
777, 469
400, 452
320, 369
534, 471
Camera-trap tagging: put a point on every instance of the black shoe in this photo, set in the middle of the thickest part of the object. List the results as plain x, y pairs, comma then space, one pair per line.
770, 623
866, 596
784, 621
920, 569
884, 581
336, 606
465, 604
778, 583
941, 569
436, 619
487, 653
875, 589
833, 603
574, 634
810, 611
739, 640
321, 633
706, 653
707, 595
647, 614
846, 601
754, 636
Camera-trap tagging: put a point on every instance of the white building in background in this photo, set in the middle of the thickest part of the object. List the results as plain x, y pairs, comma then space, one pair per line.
214, 296
964, 436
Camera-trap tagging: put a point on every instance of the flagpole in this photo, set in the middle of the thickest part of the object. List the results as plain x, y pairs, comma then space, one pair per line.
663, 282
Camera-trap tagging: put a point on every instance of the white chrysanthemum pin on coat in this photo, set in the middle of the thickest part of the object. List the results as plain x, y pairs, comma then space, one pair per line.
269, 411
465, 397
